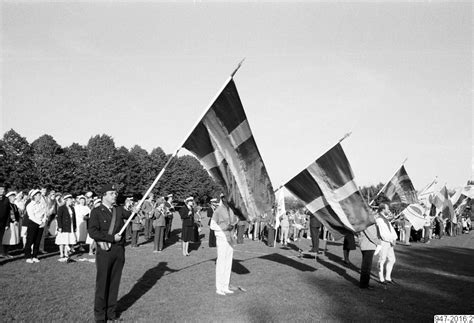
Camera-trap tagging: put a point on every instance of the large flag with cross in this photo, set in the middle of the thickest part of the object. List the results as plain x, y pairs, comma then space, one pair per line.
328, 189
225, 146
400, 188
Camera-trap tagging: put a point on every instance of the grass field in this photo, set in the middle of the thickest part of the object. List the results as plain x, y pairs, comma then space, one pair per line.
437, 278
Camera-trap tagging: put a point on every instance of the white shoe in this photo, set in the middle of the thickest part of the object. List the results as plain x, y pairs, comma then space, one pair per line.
220, 292
228, 291
36, 260
29, 260
62, 259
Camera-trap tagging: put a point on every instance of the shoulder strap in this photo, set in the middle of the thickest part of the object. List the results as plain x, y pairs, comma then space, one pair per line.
112, 223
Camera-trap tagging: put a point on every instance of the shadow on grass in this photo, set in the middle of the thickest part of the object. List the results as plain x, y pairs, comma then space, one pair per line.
238, 268
276, 257
431, 281
337, 259
143, 285
338, 270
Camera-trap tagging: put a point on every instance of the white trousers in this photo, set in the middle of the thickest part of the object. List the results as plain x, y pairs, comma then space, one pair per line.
225, 253
386, 260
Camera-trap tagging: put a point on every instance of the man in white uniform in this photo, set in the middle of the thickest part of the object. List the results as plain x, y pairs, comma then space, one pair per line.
388, 237
223, 223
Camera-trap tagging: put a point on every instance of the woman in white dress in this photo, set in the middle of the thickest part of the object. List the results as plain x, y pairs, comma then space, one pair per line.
82, 213
66, 227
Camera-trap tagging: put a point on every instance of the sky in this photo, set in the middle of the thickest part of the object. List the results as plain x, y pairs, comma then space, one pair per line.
396, 74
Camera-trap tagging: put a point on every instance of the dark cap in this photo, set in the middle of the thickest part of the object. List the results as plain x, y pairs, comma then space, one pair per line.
108, 187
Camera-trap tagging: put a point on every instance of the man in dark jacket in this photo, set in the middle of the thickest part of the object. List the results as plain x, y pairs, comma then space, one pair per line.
105, 223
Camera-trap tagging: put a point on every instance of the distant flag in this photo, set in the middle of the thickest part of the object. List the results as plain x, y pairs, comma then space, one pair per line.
427, 193
224, 144
461, 207
443, 203
468, 191
328, 189
415, 214
400, 188
456, 196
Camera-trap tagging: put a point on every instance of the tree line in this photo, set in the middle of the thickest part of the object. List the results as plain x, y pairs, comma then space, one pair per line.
77, 169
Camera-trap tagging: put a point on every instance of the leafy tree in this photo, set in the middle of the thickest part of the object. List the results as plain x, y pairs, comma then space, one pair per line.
293, 203
47, 160
125, 167
100, 157
74, 173
17, 162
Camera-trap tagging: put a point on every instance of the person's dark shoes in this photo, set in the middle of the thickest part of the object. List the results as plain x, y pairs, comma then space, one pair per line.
383, 282
312, 250
392, 282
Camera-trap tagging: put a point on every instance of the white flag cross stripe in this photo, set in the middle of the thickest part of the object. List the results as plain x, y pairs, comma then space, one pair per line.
238, 136
333, 197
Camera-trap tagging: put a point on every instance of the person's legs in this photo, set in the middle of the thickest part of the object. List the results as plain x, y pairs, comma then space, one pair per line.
43, 237
156, 240
128, 232
134, 238
118, 261
2, 232
31, 233
212, 238
101, 284
37, 241
382, 259
407, 234
367, 256
147, 229
314, 239
284, 235
221, 242
160, 232
390, 262
240, 233
229, 253
346, 255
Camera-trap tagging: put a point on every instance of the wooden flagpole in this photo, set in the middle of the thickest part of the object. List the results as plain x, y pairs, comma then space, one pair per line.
160, 174
403, 163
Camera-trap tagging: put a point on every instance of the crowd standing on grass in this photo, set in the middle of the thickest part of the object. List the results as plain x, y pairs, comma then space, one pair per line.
94, 222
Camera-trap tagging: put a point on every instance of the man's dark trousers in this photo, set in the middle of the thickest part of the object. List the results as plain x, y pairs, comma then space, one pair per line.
367, 256
109, 266
314, 238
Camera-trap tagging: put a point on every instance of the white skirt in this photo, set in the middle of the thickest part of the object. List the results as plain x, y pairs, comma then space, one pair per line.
66, 238
11, 236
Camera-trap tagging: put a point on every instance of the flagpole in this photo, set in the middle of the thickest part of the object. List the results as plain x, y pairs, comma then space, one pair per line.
160, 174
403, 163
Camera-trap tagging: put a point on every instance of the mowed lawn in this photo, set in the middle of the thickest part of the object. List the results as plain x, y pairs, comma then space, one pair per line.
437, 278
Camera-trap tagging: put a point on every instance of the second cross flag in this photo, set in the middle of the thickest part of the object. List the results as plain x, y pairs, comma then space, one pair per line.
328, 189
224, 144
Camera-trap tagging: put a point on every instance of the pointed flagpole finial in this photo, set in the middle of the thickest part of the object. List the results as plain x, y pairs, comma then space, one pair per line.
237, 68
345, 136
